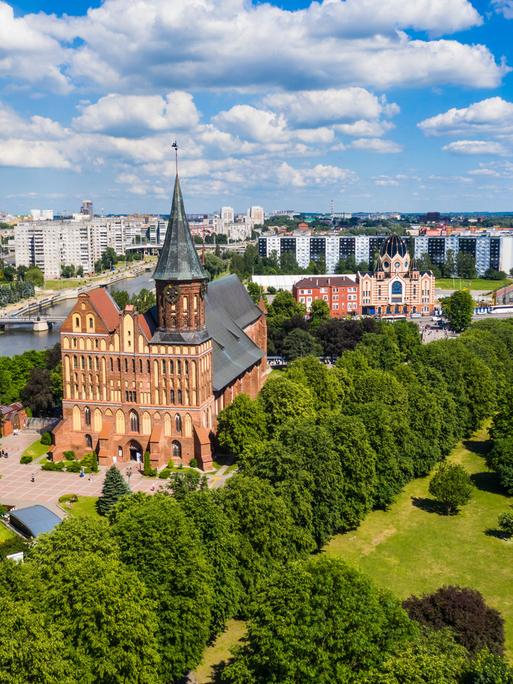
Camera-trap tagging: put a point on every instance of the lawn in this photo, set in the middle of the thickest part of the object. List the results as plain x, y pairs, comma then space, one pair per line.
474, 284
85, 507
10, 542
36, 450
411, 550
220, 651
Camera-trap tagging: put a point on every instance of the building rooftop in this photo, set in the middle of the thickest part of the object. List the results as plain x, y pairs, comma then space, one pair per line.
325, 281
33, 520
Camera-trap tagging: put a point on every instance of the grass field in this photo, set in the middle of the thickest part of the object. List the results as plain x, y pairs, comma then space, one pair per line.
9, 542
85, 507
36, 450
474, 284
220, 650
412, 550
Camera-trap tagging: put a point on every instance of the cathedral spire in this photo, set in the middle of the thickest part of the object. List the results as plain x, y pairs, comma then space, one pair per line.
178, 260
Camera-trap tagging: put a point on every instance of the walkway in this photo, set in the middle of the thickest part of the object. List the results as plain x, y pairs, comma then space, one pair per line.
17, 489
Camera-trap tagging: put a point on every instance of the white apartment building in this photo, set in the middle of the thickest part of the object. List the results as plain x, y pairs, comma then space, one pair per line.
257, 215
227, 215
42, 214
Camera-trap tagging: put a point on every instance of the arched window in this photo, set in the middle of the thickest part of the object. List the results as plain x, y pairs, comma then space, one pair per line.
186, 367
397, 287
164, 366
119, 364
179, 396
111, 363
172, 396
171, 367
177, 449
140, 366
90, 323
178, 423
148, 366
89, 441
87, 415
76, 323
126, 365
134, 421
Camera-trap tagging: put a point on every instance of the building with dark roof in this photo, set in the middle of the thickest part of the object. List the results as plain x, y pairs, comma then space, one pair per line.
396, 288
33, 520
339, 292
157, 381
12, 417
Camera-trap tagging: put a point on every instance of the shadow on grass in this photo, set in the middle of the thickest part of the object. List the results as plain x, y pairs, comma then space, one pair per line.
498, 534
478, 446
428, 505
488, 482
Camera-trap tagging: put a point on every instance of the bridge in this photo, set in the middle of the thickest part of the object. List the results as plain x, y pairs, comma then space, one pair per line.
38, 323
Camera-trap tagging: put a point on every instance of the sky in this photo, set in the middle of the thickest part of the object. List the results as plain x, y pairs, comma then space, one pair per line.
363, 105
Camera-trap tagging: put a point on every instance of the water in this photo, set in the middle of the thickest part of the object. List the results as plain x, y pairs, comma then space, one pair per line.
20, 339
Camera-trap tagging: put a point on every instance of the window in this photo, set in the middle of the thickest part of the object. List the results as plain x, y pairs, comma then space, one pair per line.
163, 366
397, 288
140, 366
171, 367
178, 423
119, 364
148, 366
126, 365
89, 441
177, 450
179, 396
87, 415
178, 367
133, 365
134, 421
111, 363
172, 396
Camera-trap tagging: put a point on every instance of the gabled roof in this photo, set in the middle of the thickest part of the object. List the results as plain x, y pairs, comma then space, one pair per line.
105, 307
178, 258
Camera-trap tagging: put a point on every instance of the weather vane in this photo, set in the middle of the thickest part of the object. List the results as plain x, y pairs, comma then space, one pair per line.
175, 148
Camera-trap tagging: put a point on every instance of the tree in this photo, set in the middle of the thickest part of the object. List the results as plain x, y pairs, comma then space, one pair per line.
185, 481
505, 523
114, 487
109, 258
458, 309
285, 305
37, 393
451, 486
159, 542
299, 343
449, 266
255, 291
241, 425
338, 335
282, 399
488, 668
466, 265
214, 265
144, 300
319, 313
35, 276
319, 622
121, 297
500, 459
474, 624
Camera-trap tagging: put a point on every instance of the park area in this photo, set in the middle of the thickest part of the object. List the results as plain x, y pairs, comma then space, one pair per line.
412, 549
477, 284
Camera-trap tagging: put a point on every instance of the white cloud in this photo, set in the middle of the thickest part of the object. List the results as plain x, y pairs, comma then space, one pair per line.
256, 124
475, 147
386, 182
493, 115
134, 114
31, 154
364, 129
376, 145
504, 7
320, 173
157, 45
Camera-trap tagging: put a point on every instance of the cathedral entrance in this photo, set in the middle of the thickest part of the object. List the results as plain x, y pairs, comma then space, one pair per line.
136, 452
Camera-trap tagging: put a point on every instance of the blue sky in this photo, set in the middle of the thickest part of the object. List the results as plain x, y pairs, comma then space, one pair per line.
374, 104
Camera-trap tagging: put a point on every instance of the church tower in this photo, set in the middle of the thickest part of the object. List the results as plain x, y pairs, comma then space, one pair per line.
180, 282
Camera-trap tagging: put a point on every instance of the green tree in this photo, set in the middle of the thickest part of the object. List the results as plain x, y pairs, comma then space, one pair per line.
185, 481
121, 297
282, 399
109, 258
459, 309
319, 622
505, 523
158, 541
487, 668
144, 300
329, 385
35, 276
466, 265
319, 313
299, 343
451, 486
241, 425
214, 265
37, 393
114, 487
256, 291
500, 459
449, 266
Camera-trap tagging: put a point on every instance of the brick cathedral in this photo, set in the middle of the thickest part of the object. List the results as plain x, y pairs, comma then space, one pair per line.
157, 381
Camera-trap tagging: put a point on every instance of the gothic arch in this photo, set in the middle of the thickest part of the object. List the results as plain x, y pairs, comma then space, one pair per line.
97, 420
188, 425
146, 423
120, 422
76, 419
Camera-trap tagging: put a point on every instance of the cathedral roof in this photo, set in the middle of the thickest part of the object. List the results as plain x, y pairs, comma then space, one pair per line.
178, 260
393, 245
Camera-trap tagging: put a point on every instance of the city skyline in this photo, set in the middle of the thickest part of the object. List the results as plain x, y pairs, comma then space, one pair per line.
376, 106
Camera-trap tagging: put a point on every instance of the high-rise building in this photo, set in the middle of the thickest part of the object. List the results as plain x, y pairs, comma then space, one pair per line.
87, 208
41, 214
155, 382
257, 214
227, 215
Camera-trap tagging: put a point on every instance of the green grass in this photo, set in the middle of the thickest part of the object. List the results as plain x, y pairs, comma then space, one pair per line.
409, 550
85, 507
10, 542
220, 651
474, 284
36, 450
5, 534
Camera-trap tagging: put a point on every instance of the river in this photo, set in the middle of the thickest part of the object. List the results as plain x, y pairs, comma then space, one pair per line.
20, 339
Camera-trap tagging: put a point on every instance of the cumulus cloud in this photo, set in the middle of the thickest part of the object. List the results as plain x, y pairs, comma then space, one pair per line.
493, 115
155, 45
31, 154
475, 147
376, 145
249, 122
320, 173
136, 114
504, 7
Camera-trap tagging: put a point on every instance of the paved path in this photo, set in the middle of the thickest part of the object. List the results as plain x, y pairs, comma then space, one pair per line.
17, 489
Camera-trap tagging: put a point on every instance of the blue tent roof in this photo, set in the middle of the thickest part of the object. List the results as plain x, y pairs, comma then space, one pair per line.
33, 520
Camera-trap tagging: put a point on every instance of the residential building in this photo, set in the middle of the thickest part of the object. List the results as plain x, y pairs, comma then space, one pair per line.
257, 215
86, 209
156, 382
396, 287
339, 292
41, 214
227, 215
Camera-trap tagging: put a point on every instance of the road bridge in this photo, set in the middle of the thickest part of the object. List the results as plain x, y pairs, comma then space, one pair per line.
38, 323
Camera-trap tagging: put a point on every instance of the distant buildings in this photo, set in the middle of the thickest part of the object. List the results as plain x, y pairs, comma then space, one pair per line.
41, 214
489, 250
87, 208
257, 215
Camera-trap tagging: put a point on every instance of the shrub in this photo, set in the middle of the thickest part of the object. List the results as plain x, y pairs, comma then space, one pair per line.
73, 466
148, 471
53, 465
26, 458
90, 462
193, 463
505, 523
69, 455
165, 473
46, 438
68, 498
475, 625
451, 486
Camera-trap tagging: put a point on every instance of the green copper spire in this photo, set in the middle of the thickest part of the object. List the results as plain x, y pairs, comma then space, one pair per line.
178, 258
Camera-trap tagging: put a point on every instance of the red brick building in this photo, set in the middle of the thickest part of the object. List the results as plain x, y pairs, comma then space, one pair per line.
156, 381
339, 292
12, 417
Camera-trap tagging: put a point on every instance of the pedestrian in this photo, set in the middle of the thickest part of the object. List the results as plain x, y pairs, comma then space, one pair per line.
33, 477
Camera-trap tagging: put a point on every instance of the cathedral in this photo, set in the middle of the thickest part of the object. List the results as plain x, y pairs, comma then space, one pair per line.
156, 381
396, 288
